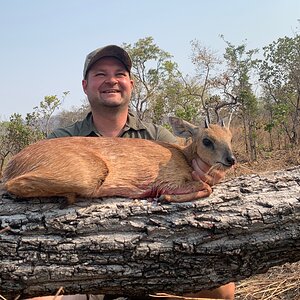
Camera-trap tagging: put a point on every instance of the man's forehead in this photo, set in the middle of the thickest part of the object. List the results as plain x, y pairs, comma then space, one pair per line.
108, 62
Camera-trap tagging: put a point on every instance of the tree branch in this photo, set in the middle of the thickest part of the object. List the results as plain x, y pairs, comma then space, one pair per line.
122, 246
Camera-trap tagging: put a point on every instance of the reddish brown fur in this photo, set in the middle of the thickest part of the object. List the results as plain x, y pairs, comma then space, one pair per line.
100, 167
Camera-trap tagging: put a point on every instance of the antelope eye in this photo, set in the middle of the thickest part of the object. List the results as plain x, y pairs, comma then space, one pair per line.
207, 143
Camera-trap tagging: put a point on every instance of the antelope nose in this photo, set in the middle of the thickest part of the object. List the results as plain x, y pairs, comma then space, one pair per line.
231, 160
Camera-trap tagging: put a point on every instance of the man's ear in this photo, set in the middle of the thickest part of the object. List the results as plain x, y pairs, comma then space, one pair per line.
182, 128
84, 85
132, 83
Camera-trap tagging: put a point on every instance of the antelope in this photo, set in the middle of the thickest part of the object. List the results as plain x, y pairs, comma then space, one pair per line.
95, 167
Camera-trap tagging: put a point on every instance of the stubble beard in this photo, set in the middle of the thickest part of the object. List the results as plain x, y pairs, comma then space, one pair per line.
97, 104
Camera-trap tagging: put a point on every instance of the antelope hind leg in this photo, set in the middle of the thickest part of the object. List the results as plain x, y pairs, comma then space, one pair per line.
32, 185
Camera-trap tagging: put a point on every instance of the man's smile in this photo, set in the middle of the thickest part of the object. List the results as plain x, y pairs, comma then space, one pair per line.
110, 91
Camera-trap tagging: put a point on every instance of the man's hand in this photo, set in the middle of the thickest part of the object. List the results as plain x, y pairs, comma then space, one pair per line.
201, 170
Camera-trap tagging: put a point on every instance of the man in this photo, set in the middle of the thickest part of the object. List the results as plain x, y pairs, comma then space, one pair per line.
108, 84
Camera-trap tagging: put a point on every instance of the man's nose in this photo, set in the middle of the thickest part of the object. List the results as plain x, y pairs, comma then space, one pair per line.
111, 79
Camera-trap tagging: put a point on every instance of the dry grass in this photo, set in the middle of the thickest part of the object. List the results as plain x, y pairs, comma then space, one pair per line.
282, 282
278, 283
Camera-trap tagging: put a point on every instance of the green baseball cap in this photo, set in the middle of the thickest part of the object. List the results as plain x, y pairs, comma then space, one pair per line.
111, 50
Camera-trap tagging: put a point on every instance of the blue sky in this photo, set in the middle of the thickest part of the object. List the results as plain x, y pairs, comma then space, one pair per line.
44, 42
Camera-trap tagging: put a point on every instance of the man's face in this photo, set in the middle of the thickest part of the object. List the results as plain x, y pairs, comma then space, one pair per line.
108, 84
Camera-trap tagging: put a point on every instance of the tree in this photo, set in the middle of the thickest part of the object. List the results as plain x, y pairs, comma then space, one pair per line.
17, 134
280, 75
123, 246
46, 109
206, 64
67, 117
4, 149
237, 87
175, 98
276, 116
151, 67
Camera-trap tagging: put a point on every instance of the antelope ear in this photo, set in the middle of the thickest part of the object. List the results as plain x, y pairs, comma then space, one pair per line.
182, 128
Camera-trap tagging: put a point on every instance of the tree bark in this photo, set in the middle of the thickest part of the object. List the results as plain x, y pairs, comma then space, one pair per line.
137, 247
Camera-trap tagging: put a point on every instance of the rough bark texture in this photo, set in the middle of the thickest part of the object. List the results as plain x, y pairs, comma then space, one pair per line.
136, 247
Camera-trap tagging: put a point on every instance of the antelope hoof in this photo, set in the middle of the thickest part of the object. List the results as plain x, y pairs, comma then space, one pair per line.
165, 198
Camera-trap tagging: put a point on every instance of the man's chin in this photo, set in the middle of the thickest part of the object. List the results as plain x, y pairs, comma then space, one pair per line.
115, 103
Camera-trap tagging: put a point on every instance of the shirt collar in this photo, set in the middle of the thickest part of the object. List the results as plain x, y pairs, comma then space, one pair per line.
88, 127
133, 122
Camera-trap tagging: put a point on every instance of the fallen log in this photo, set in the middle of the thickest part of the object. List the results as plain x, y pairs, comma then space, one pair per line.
139, 247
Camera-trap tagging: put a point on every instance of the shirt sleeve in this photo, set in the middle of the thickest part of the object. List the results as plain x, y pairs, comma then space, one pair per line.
60, 132
164, 135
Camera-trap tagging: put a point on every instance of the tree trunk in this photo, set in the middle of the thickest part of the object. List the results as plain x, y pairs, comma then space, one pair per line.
137, 247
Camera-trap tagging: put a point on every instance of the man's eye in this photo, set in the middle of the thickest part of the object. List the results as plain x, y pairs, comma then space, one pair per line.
100, 74
121, 74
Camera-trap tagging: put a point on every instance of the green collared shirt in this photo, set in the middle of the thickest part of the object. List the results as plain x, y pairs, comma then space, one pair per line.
134, 128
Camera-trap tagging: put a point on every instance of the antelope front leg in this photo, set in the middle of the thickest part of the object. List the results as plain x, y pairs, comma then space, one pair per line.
204, 192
